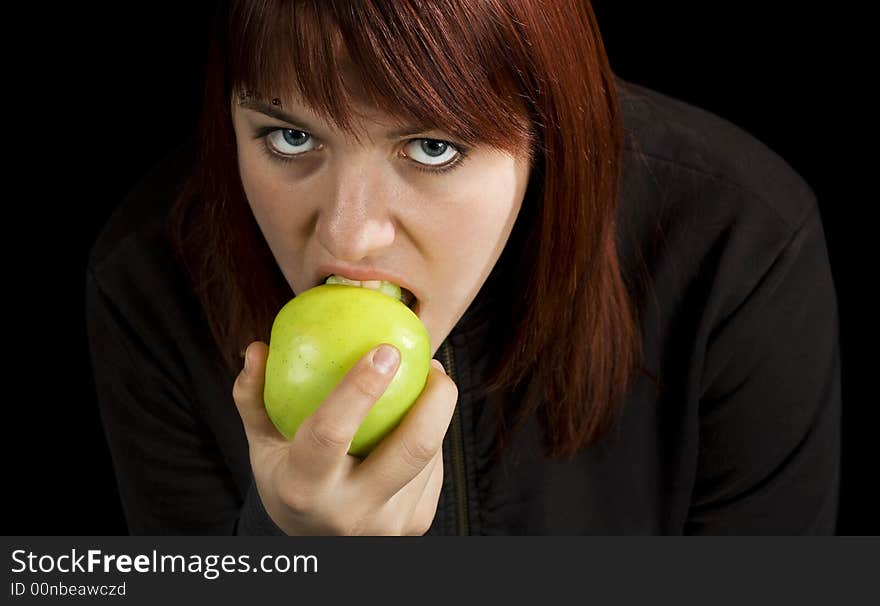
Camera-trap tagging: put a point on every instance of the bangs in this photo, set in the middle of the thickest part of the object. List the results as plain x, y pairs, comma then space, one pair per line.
449, 66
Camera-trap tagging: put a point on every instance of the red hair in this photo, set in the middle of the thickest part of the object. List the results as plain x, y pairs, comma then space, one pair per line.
520, 76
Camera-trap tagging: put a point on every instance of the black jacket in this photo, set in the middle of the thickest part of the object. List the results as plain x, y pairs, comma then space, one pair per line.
741, 327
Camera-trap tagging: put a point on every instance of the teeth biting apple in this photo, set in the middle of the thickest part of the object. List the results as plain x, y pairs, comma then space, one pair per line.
389, 288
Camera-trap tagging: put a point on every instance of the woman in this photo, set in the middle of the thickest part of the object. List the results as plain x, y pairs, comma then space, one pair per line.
630, 299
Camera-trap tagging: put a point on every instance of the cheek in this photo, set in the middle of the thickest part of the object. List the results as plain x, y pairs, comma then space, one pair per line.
474, 232
271, 201
484, 213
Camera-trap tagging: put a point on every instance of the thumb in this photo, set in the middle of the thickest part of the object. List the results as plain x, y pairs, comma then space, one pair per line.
247, 391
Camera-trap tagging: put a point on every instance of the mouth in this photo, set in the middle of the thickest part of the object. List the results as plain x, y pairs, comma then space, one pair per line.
406, 296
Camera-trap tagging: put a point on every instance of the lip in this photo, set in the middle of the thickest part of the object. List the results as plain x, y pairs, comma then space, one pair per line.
363, 273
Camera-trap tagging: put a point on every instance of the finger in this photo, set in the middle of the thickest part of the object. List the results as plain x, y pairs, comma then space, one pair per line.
247, 391
411, 494
426, 503
402, 504
411, 445
407, 498
320, 446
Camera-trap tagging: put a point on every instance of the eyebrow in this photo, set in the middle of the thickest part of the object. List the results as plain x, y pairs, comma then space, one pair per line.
278, 114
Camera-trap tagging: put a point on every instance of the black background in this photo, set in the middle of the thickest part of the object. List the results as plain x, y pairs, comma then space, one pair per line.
100, 94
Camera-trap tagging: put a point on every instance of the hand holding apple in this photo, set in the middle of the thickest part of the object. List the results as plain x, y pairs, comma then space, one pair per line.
310, 485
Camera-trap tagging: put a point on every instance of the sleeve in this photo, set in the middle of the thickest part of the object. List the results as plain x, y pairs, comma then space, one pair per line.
769, 427
171, 475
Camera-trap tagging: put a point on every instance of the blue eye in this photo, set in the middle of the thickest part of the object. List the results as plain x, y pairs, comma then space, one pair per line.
287, 144
290, 142
437, 153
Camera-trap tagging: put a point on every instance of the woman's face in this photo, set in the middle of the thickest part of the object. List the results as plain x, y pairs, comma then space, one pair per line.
339, 207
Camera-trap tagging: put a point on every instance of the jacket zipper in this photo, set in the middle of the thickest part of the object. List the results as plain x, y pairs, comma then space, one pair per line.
457, 448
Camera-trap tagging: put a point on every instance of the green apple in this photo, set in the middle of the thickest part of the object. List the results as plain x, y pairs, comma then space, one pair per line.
320, 334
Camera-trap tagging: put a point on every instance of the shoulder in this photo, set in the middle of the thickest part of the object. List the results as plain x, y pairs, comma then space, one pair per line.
141, 215
694, 154
131, 264
705, 207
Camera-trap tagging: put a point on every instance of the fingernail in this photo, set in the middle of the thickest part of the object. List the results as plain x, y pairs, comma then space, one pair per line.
384, 359
436, 364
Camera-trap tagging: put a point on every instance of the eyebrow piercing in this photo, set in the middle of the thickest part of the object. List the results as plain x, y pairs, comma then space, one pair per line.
247, 94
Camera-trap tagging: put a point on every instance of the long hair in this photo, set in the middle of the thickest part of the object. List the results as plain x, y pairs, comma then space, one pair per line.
526, 75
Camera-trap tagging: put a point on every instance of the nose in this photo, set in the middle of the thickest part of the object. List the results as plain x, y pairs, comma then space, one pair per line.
357, 221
